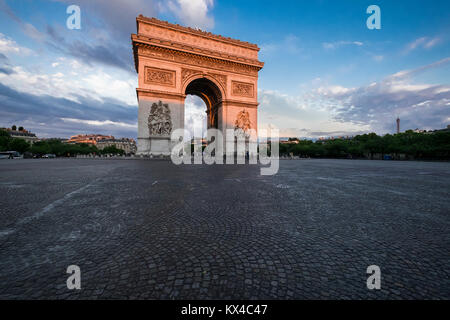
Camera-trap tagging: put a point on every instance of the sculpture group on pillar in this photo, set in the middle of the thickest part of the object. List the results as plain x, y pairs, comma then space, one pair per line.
159, 120
242, 124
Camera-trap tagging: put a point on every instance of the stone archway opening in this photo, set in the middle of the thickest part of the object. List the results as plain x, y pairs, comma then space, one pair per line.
195, 117
209, 92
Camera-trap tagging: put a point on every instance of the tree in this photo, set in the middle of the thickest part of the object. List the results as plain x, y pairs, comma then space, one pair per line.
14, 128
4, 140
40, 148
20, 128
19, 145
429, 145
112, 150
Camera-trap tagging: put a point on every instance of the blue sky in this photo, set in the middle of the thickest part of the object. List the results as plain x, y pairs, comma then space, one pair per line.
325, 74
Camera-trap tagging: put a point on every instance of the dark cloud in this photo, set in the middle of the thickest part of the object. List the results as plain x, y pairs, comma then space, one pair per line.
420, 106
43, 114
5, 66
5, 8
6, 70
380, 104
118, 17
91, 53
105, 35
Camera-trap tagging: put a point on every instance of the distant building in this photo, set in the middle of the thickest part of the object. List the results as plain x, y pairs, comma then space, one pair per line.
91, 139
21, 133
290, 141
125, 144
447, 129
398, 125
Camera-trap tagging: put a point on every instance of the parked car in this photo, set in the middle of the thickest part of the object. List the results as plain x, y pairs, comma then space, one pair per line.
49, 156
27, 155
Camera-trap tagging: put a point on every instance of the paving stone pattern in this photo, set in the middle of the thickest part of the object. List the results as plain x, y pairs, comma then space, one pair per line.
147, 229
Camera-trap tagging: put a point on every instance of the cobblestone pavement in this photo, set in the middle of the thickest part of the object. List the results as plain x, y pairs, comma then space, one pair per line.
143, 229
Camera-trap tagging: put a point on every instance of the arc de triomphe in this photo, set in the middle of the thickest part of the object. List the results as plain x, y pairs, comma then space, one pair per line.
173, 61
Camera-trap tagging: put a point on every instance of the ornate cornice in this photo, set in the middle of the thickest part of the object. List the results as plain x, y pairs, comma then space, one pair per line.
239, 103
170, 44
177, 96
196, 32
193, 59
159, 94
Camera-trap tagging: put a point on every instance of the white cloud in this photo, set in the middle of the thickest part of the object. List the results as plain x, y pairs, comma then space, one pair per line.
74, 80
335, 110
432, 43
335, 45
410, 73
422, 42
419, 105
378, 58
290, 44
334, 90
32, 32
97, 123
307, 115
105, 84
193, 13
195, 115
8, 45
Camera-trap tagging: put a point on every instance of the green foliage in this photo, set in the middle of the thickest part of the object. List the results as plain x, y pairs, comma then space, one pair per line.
5, 139
9, 144
433, 146
19, 145
60, 149
112, 150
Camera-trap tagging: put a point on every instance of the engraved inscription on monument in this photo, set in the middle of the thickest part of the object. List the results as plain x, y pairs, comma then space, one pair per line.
159, 120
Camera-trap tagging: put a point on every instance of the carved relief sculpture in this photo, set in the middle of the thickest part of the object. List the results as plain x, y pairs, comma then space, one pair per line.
159, 120
200, 61
160, 76
221, 78
242, 89
242, 123
186, 73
